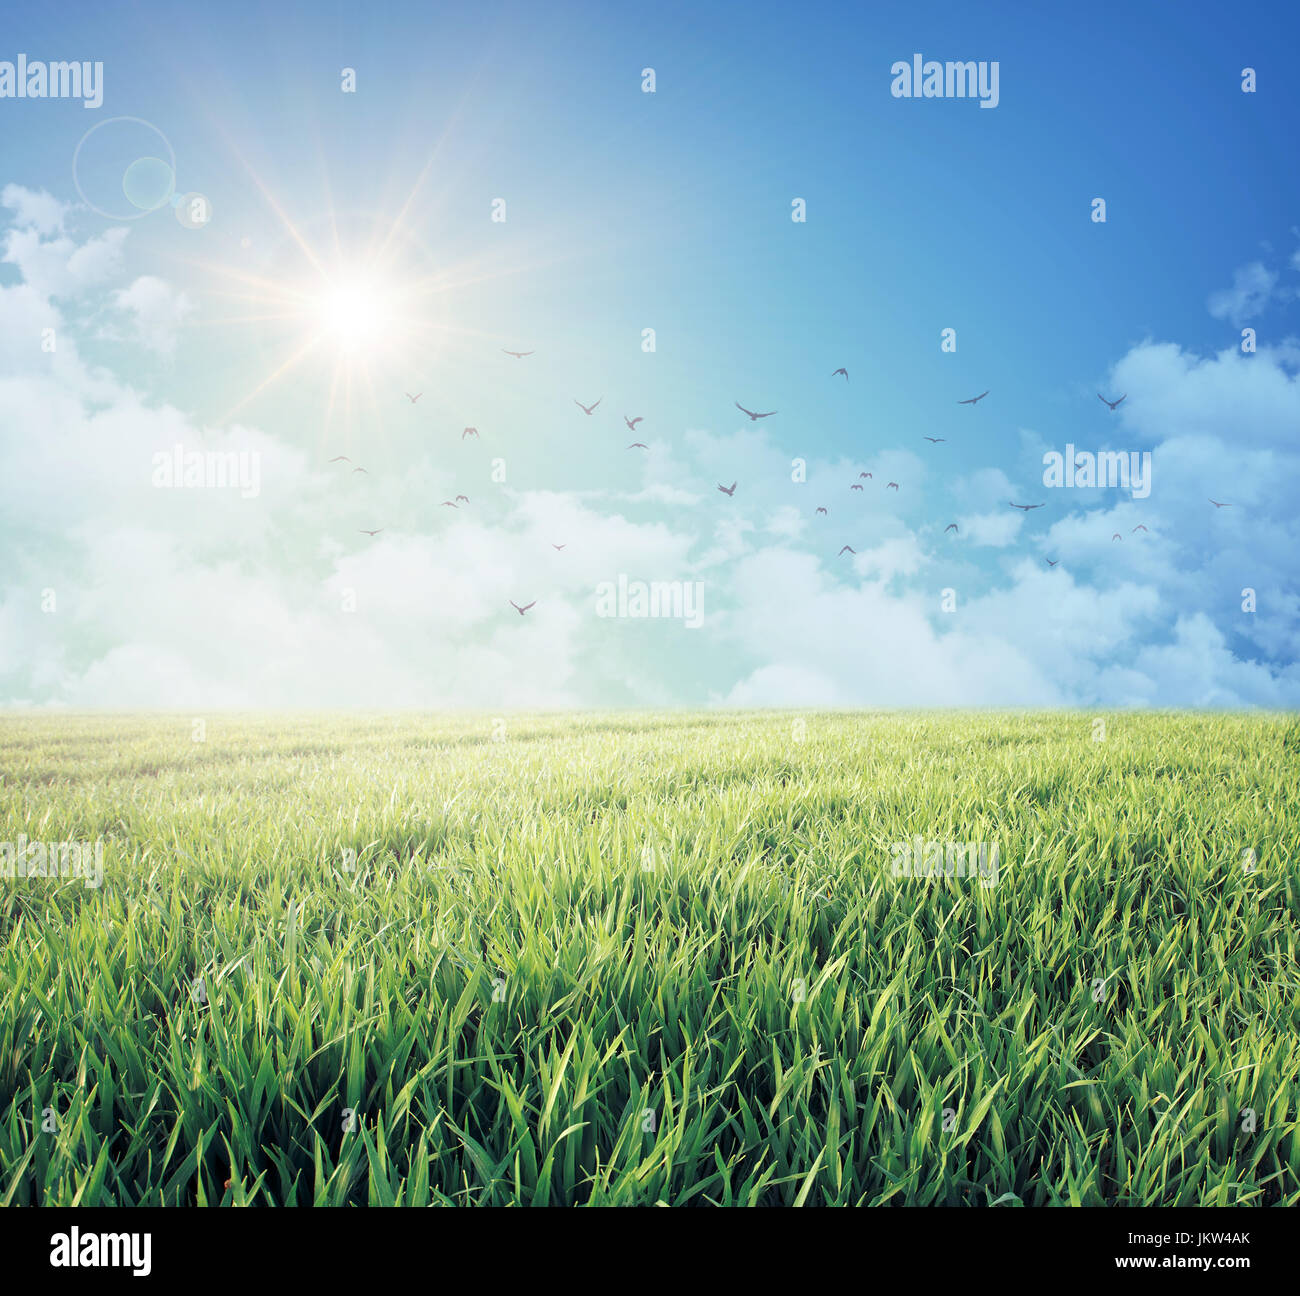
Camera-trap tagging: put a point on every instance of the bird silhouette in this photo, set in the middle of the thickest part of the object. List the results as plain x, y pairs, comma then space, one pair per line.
891, 485
1138, 528
364, 470
1026, 507
587, 409
469, 432
638, 445
1118, 537
370, 533
340, 459
952, 526
414, 398
936, 440
820, 509
841, 370
752, 416
1111, 403
846, 549
521, 610
974, 400
864, 474
856, 486
463, 497
631, 423
727, 490
1051, 562
449, 504
518, 355
557, 548
1218, 505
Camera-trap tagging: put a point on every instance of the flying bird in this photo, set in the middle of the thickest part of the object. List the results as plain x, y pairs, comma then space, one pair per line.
449, 504
638, 445
1218, 505
586, 409
1051, 562
414, 398
557, 548
1026, 507
952, 526
752, 416
864, 474
340, 459
891, 485
364, 470
370, 533
463, 497
518, 355
856, 486
1118, 537
974, 400
521, 610
841, 370
1111, 403
631, 423
469, 432
936, 440
846, 549
820, 509
1138, 528
727, 490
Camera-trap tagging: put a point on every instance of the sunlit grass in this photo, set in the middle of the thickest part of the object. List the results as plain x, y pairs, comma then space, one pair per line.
638, 959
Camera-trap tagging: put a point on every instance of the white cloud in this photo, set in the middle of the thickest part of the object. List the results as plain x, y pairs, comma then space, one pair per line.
897, 556
157, 310
825, 644
787, 523
997, 529
198, 598
1252, 287
60, 268
35, 210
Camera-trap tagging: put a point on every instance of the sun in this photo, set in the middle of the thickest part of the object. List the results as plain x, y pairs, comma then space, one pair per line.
356, 314
359, 323
356, 306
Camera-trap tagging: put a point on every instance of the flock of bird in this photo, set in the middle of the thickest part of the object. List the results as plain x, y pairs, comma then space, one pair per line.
952, 526
729, 491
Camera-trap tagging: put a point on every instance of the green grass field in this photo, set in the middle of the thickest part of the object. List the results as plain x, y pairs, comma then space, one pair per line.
634, 959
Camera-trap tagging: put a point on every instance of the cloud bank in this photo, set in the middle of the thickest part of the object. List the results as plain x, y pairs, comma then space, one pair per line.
115, 592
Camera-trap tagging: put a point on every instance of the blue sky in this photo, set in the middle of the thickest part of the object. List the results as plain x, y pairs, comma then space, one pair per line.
670, 211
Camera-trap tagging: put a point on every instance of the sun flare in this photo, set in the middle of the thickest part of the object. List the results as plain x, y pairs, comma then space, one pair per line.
355, 314
356, 317
354, 307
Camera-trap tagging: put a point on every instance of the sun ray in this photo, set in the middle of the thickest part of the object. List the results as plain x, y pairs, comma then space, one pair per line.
306, 348
233, 272
288, 224
368, 297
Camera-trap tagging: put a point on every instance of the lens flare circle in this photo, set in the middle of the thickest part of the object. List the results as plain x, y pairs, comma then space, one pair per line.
148, 183
76, 160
